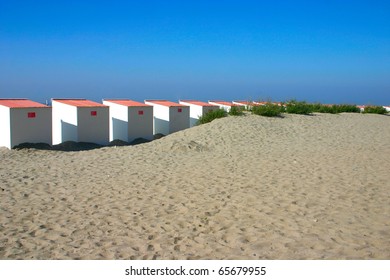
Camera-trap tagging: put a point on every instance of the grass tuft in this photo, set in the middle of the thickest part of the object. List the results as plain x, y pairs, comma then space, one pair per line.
298, 107
212, 115
236, 111
346, 108
267, 110
374, 110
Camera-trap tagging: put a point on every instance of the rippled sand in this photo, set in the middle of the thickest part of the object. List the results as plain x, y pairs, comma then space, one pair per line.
298, 187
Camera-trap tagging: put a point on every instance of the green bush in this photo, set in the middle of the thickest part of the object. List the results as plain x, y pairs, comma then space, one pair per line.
236, 111
212, 115
374, 110
299, 107
268, 110
346, 108
320, 108
306, 108
334, 109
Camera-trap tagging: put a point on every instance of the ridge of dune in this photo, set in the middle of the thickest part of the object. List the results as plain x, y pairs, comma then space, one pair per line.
298, 187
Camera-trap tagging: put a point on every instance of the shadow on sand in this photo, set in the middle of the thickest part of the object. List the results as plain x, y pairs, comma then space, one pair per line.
71, 146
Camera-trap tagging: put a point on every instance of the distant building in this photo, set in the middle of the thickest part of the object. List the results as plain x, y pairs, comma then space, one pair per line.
130, 120
223, 104
80, 120
246, 104
24, 121
197, 109
361, 107
169, 117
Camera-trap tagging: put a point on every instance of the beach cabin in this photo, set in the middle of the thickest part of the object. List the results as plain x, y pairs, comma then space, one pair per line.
80, 120
387, 108
223, 104
197, 109
130, 120
246, 104
169, 117
361, 108
24, 121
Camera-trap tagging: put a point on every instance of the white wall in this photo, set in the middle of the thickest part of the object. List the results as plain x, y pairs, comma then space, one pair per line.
140, 126
197, 110
118, 121
207, 109
93, 129
168, 120
179, 120
225, 107
244, 106
160, 118
5, 136
31, 130
64, 123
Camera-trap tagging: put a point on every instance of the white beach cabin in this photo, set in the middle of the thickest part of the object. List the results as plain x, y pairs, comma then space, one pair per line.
197, 109
130, 120
246, 104
387, 108
80, 120
24, 121
223, 104
361, 107
169, 117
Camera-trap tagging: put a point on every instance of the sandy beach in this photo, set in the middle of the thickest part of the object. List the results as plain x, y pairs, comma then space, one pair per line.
250, 187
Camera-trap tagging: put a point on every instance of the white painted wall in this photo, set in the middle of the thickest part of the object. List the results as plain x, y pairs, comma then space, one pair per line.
179, 120
71, 123
243, 105
93, 129
207, 109
5, 134
140, 126
127, 124
118, 121
64, 122
168, 120
31, 130
160, 118
225, 107
197, 110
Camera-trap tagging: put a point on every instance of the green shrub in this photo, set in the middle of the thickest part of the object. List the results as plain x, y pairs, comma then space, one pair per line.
330, 109
298, 107
236, 111
212, 115
268, 110
374, 110
320, 108
346, 108
303, 108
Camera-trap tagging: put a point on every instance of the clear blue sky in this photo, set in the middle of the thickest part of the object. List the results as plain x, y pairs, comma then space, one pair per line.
326, 51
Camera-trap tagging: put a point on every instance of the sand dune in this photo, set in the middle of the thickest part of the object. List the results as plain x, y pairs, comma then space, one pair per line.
299, 187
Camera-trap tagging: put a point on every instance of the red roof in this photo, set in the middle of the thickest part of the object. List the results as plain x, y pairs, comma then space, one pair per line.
165, 103
199, 103
127, 102
80, 102
21, 103
222, 102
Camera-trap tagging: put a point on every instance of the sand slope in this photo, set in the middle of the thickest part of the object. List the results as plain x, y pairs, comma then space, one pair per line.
299, 187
